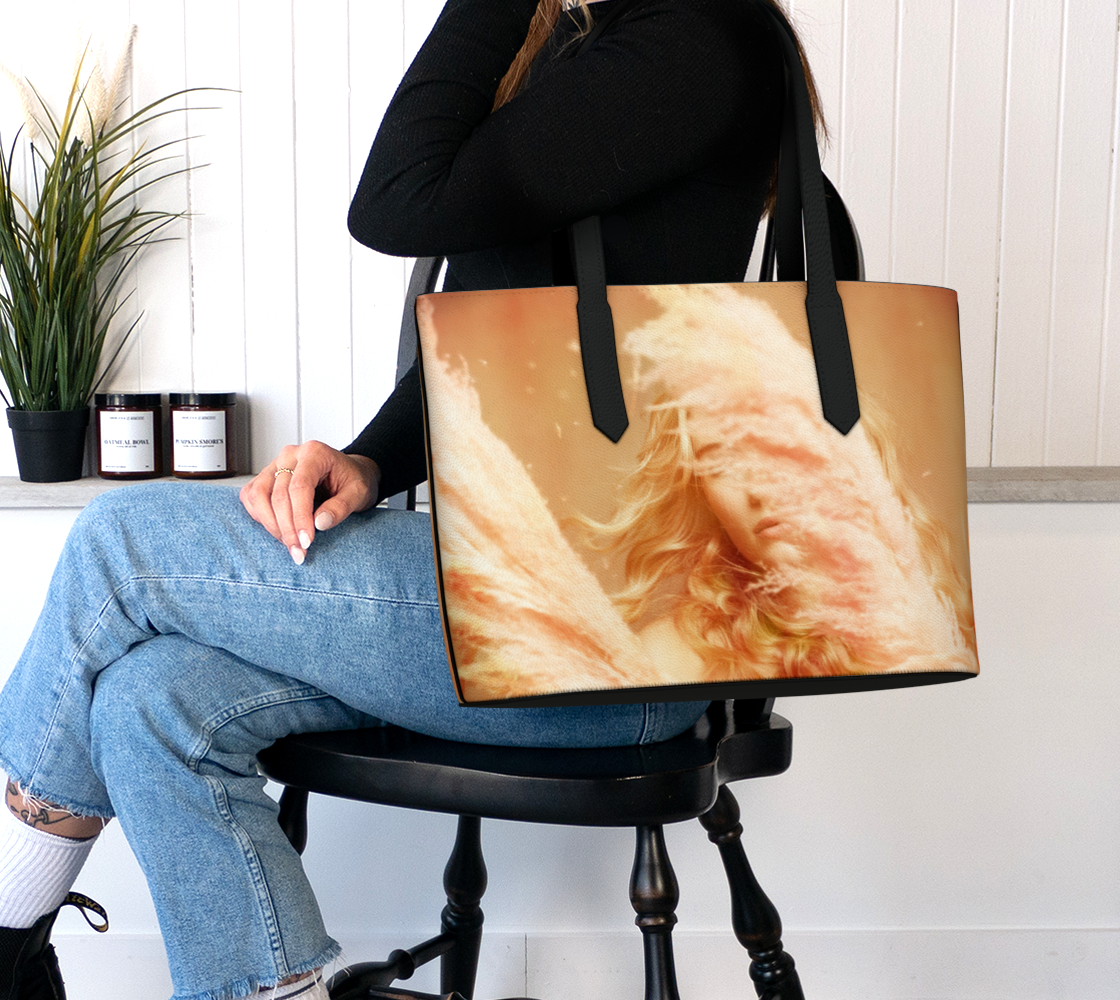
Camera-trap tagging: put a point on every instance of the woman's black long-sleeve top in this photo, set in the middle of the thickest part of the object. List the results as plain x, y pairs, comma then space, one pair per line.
667, 127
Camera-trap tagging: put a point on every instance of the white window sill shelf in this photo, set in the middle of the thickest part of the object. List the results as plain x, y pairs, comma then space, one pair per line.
1073, 484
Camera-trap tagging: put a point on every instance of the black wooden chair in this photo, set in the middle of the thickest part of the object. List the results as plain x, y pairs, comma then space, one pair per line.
640, 786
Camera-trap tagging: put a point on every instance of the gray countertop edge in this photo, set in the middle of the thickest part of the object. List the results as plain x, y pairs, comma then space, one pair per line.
79, 492
1052, 484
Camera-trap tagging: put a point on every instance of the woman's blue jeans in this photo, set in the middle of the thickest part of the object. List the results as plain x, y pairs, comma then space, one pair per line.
177, 640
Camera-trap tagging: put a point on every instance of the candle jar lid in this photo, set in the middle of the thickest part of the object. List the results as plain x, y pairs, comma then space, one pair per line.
202, 398
139, 400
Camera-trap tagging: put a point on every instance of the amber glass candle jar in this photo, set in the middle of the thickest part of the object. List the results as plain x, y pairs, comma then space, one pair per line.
202, 434
129, 435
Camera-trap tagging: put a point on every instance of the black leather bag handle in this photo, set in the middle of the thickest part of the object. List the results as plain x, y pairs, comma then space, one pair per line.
828, 331
596, 324
784, 238
783, 244
847, 251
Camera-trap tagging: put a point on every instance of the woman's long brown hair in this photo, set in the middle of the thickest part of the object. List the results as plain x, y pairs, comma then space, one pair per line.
548, 13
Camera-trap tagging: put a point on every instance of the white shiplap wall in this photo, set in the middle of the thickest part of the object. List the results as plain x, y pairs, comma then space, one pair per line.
973, 143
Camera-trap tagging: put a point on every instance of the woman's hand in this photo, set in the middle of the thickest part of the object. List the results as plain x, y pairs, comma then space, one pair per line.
282, 495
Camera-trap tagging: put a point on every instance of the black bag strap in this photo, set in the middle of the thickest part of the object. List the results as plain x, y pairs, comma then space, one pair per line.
847, 251
783, 245
783, 252
597, 346
596, 330
425, 275
828, 331
783, 234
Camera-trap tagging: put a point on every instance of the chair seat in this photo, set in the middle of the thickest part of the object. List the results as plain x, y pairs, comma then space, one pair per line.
664, 782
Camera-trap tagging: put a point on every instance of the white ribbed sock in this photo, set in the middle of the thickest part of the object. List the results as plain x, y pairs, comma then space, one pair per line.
37, 870
309, 988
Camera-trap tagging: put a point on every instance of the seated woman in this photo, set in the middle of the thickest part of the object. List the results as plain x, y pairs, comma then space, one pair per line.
186, 628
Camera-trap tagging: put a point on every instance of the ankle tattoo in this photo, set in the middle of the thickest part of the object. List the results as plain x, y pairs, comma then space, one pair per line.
38, 813
32, 811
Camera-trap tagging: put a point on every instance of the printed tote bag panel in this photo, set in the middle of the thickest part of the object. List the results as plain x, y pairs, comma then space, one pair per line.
731, 535
760, 528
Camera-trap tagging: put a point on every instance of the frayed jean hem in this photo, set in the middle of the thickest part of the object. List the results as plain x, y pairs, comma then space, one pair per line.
248, 985
60, 803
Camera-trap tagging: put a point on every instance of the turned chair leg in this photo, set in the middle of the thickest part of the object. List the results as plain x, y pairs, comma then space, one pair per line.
755, 919
654, 896
464, 881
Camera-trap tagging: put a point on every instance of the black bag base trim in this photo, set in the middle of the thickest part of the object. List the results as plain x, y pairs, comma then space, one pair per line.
784, 688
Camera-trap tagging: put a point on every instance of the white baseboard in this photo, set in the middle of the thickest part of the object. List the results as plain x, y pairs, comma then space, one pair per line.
983, 964
848, 965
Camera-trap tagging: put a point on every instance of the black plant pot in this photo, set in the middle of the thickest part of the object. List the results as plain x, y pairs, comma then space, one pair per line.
50, 444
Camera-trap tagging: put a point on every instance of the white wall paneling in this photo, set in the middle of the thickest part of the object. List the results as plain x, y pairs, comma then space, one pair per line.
268, 184
1081, 221
163, 292
126, 372
972, 230
322, 159
47, 58
866, 166
1108, 422
1029, 199
923, 80
216, 236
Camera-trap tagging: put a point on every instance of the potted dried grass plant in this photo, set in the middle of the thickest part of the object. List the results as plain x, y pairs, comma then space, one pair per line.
66, 241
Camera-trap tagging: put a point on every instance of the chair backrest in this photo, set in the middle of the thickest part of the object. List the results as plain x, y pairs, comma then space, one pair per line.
425, 275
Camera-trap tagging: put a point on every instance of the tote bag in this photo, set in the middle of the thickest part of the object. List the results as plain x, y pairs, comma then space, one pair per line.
677, 492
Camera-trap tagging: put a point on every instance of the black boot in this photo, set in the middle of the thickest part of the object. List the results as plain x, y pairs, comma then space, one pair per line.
28, 964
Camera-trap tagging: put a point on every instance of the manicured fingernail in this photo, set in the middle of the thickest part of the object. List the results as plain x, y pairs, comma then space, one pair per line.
324, 521
305, 539
297, 555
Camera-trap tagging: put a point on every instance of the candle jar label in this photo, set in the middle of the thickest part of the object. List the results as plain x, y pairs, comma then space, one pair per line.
127, 442
199, 440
